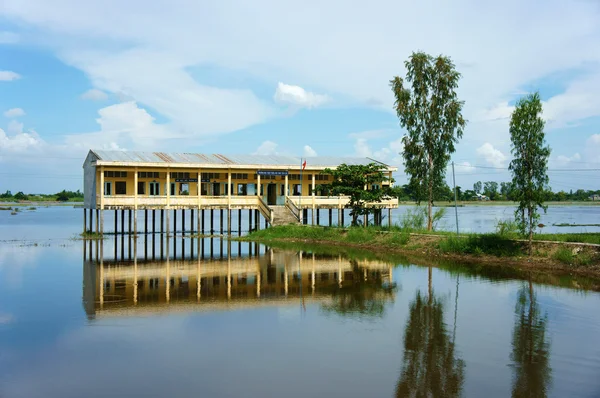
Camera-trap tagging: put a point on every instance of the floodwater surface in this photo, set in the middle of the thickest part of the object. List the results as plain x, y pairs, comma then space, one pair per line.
156, 317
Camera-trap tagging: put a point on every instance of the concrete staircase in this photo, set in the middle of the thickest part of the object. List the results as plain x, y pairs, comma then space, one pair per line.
282, 216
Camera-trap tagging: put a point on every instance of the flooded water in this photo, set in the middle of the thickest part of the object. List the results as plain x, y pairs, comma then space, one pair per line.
152, 317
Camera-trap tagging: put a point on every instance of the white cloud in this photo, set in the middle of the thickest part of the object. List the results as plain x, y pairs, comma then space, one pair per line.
8, 38
7, 76
14, 112
462, 168
15, 127
579, 101
266, 148
19, 142
361, 147
563, 160
491, 155
592, 149
499, 111
371, 134
309, 152
94, 94
297, 96
124, 125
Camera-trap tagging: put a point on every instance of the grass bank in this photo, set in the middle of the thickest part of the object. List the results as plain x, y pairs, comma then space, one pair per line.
572, 253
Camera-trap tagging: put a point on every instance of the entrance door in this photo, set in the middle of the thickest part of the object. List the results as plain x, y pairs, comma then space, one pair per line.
107, 188
216, 189
154, 188
173, 191
272, 194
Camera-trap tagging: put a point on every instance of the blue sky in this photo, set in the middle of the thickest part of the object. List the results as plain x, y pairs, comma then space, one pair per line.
304, 79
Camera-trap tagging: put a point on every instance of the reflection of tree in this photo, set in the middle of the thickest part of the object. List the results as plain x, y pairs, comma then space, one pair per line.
531, 352
361, 298
430, 366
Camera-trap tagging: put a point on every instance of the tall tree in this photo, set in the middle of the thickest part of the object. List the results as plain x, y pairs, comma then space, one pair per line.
477, 187
351, 180
529, 166
491, 189
431, 113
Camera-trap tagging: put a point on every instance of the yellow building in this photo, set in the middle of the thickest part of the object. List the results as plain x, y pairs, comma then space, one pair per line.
278, 188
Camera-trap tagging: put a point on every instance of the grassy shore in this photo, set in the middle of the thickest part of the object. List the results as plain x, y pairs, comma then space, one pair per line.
503, 203
572, 253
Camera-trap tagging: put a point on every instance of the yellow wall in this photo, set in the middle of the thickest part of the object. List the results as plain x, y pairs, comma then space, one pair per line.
193, 186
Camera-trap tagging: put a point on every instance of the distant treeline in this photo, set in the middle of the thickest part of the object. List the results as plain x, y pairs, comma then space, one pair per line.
63, 196
491, 190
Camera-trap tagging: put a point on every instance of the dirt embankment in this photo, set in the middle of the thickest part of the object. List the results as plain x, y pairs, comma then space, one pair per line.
424, 249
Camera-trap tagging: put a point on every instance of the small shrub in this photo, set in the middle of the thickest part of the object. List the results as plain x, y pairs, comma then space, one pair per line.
397, 238
507, 228
566, 256
359, 235
414, 219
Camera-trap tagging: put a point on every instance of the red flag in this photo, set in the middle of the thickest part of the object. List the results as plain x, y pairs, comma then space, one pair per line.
304, 165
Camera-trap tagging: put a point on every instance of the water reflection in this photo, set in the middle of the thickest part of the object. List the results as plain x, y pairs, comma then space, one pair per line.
530, 347
431, 366
187, 276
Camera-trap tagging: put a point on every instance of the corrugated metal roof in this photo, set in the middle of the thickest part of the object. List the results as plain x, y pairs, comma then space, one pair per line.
162, 157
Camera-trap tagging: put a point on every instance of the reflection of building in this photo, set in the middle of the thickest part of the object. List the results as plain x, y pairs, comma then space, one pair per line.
229, 281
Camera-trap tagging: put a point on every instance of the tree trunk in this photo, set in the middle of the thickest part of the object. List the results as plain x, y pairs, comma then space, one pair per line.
430, 196
354, 218
530, 215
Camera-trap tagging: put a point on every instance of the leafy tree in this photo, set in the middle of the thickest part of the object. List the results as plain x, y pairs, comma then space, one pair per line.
477, 187
468, 195
490, 189
20, 196
529, 166
6, 195
351, 180
62, 196
430, 112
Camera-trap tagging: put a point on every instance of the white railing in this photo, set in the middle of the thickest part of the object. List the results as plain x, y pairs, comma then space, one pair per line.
292, 207
265, 210
307, 202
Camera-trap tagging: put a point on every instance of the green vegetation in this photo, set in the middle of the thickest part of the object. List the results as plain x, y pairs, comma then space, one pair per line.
62, 196
431, 113
492, 244
7, 208
529, 166
351, 180
571, 257
87, 235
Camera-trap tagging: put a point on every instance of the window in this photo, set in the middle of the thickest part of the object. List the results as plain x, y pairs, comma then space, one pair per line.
294, 177
265, 177
180, 175
154, 188
148, 174
117, 174
211, 176
322, 177
120, 188
141, 188
297, 190
242, 190
283, 193
239, 176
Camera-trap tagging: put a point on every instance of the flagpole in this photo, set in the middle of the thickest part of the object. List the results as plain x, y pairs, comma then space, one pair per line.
300, 199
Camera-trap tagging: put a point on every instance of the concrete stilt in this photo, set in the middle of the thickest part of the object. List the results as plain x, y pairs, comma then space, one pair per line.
182, 221
192, 221
162, 221
240, 222
221, 221
228, 221
202, 222
129, 218
343, 222
174, 223
116, 229
168, 223
250, 229
146, 221
135, 225
91, 229
389, 217
212, 220
330, 217
84, 222
153, 227
97, 221
257, 219
318, 216
122, 221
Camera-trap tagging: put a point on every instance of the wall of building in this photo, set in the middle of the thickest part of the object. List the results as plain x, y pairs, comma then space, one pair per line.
89, 182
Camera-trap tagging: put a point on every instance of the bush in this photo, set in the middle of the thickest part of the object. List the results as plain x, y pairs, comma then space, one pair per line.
397, 238
492, 244
20, 196
507, 228
416, 219
565, 255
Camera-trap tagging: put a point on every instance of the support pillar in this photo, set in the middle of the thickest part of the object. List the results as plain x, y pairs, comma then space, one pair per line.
182, 221
153, 223
390, 217
192, 221
250, 229
318, 216
129, 218
239, 221
366, 220
116, 226
174, 222
91, 220
202, 221
257, 219
84, 221
146, 221
168, 224
343, 222
229, 221
97, 221
122, 221
330, 217
102, 221
221, 220
162, 221
212, 220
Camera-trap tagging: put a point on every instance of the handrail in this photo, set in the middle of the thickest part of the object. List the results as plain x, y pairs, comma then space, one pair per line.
265, 210
292, 207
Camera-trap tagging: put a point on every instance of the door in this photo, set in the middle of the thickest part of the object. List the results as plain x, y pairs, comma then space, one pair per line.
216, 189
272, 194
173, 188
107, 188
154, 188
